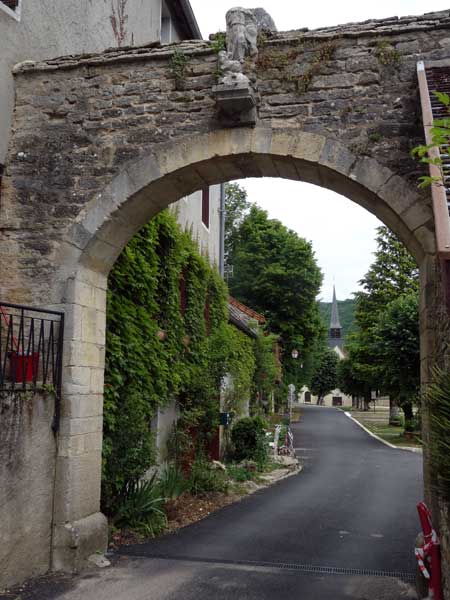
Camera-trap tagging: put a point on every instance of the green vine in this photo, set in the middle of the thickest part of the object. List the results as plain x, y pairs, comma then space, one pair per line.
219, 41
386, 53
178, 64
146, 370
276, 59
323, 54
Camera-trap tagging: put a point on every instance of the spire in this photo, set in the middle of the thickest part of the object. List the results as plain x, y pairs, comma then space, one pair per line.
335, 322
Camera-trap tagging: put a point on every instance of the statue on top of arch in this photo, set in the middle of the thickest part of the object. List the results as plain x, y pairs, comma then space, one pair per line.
243, 26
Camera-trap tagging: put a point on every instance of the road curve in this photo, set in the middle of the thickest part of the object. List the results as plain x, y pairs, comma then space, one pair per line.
342, 529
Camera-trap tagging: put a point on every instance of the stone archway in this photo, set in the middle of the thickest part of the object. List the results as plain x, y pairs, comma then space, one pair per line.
102, 143
137, 193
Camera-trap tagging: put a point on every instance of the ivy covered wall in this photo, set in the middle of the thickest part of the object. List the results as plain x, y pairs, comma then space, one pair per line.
167, 337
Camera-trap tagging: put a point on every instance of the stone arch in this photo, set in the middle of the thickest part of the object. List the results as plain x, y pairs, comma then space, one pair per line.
143, 188
178, 168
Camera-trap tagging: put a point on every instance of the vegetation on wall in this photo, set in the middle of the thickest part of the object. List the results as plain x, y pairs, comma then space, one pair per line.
168, 337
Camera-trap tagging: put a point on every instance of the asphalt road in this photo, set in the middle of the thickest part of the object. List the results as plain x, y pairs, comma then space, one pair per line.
344, 528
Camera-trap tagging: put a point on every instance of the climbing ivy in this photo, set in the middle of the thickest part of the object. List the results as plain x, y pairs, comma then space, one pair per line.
160, 346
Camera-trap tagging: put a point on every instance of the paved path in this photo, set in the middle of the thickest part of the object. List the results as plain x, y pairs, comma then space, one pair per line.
352, 508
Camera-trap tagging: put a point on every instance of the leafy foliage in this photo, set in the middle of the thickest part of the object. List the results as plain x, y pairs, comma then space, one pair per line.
276, 273
249, 440
236, 209
205, 478
172, 482
325, 376
146, 370
396, 347
437, 398
383, 329
440, 136
392, 274
141, 507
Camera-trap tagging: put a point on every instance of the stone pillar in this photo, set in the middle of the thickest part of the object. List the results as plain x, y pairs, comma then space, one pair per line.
435, 351
79, 528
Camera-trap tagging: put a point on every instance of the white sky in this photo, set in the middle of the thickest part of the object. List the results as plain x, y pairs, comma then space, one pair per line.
342, 233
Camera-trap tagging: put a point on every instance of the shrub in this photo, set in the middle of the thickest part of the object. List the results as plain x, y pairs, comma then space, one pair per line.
249, 440
437, 398
141, 508
205, 478
239, 474
172, 482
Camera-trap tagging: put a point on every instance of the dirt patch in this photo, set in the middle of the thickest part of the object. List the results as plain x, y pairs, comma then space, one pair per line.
183, 511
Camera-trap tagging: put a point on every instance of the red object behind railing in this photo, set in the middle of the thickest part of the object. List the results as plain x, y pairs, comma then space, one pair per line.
24, 367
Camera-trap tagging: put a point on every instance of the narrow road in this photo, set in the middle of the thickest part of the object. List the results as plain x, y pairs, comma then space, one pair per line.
342, 529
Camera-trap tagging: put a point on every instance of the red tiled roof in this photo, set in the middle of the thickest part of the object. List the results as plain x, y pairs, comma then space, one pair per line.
246, 310
12, 4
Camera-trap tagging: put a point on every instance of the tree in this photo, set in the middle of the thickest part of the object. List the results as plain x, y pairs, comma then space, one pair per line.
276, 273
236, 208
393, 274
396, 346
325, 376
348, 380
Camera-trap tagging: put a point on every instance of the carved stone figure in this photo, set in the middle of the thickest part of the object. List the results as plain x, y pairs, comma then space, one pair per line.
231, 70
242, 32
264, 21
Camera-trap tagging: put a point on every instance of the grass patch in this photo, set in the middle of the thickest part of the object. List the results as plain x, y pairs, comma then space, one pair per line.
392, 434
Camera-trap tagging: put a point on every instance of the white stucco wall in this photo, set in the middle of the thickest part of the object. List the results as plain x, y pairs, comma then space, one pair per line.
189, 216
162, 425
52, 28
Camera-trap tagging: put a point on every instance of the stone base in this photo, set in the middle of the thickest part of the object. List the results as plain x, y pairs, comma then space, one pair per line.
236, 105
75, 542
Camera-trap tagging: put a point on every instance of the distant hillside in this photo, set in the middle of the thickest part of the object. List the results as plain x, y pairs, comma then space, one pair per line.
346, 314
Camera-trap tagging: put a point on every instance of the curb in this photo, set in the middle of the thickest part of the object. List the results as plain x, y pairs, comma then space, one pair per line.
386, 443
266, 484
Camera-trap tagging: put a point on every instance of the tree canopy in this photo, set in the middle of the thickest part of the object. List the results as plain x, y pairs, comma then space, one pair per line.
324, 379
384, 350
276, 273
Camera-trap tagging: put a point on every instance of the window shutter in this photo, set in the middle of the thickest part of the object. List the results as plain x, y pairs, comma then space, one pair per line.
205, 206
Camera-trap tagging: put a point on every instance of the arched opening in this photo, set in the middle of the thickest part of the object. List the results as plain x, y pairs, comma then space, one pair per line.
139, 192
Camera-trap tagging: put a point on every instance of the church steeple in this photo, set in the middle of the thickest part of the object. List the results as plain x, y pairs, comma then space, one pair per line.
335, 331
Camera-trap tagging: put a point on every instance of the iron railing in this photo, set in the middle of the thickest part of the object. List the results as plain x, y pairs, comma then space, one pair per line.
31, 346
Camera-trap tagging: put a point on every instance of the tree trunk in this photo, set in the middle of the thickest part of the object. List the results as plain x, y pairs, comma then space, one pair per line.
394, 412
408, 411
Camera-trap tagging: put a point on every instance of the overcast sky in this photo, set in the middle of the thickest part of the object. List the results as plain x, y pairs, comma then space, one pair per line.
342, 233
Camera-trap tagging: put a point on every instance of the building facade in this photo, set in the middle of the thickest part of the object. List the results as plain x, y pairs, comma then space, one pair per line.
47, 29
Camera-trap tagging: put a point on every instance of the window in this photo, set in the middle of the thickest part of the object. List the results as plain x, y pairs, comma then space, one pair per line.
11, 7
205, 207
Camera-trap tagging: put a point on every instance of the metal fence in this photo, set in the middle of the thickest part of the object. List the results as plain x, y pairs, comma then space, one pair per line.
31, 345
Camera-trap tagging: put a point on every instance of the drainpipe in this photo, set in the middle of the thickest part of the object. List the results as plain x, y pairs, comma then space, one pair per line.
222, 231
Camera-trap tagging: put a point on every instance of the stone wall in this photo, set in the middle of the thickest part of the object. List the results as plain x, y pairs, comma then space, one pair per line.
103, 142
27, 472
51, 28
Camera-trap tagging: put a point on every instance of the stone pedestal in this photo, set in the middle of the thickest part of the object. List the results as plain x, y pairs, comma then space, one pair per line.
236, 104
